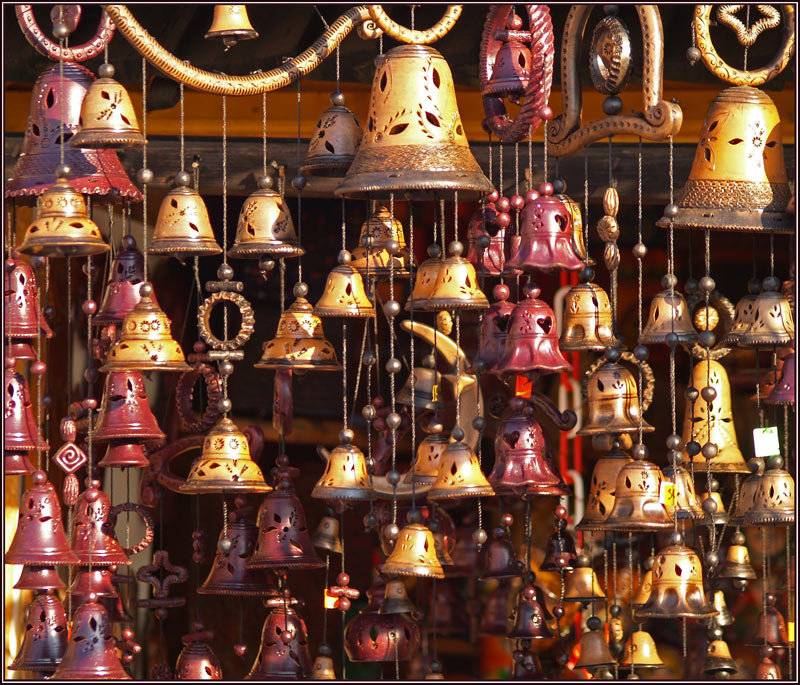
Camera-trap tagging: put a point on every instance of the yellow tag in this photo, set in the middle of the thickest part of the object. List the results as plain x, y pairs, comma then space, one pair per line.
667, 494
435, 392
330, 601
766, 442
790, 627
523, 387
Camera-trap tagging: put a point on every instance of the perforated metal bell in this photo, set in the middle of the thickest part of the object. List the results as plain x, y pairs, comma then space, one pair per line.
379, 232
344, 295
345, 476
334, 143
45, 638
587, 322
640, 652
669, 315
414, 554
613, 402
265, 226
183, 228
459, 475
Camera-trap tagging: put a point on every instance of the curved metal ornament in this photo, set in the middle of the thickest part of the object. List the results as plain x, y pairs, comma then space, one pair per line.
400, 33
610, 56
44, 46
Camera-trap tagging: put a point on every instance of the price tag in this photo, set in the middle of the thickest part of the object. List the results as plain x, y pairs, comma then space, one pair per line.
790, 630
330, 601
523, 387
667, 494
765, 442
435, 393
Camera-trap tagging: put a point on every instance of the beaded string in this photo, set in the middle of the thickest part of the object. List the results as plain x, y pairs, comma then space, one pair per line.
586, 200
299, 195
411, 280
640, 254
145, 176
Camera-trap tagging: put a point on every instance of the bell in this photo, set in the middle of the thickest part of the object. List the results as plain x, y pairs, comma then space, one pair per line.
594, 651
545, 237
637, 503
773, 501
783, 392
587, 323
345, 476
613, 402
747, 493
425, 279
500, 560
99, 581
456, 285
669, 315
643, 592
122, 290
684, 505
322, 669
414, 554
91, 653
197, 660
530, 615
225, 464
107, 118
20, 430
578, 242
396, 601
427, 381
532, 338
489, 260
768, 670
770, 627
414, 138
265, 227
719, 516
511, 71
677, 590
718, 658
742, 318
93, 540
334, 142
372, 256
581, 585
22, 318
344, 295
40, 539
279, 660
560, 553
459, 475
39, 578
724, 616
715, 426
771, 324
443, 544
640, 652
145, 342
527, 667
62, 227
494, 617
124, 410
123, 454
17, 464
45, 638
428, 457
231, 24
738, 179
494, 328
326, 536
183, 228
602, 487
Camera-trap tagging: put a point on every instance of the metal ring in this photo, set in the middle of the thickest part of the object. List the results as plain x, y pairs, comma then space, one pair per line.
647, 376
723, 305
149, 526
184, 393
44, 46
204, 323
400, 33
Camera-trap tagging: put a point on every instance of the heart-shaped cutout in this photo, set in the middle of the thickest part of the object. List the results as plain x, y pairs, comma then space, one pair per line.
545, 324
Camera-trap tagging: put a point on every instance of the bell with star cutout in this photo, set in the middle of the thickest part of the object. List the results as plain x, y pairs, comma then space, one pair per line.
284, 653
382, 246
414, 554
637, 502
265, 226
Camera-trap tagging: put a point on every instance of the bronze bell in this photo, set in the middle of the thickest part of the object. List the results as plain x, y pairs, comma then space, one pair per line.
456, 285
530, 615
231, 24
587, 323
613, 402
99, 581
23, 320
637, 503
326, 536
322, 669
742, 318
500, 560
279, 660
265, 226
532, 338
669, 315
685, 504
345, 476
719, 516
494, 328
414, 138
121, 294
93, 540
718, 658
640, 652
396, 600
91, 653
344, 294
45, 638
197, 661
771, 324
428, 457
183, 228
427, 381
39, 578
724, 616
770, 627
459, 475
379, 232
511, 70
602, 487
783, 392
594, 651
20, 430
494, 617
677, 590
768, 670
425, 278
581, 585
560, 553
414, 554
774, 499
334, 142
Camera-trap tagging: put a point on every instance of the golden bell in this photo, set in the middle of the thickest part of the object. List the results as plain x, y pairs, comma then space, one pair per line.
747, 493
326, 536
414, 138
578, 243
737, 564
677, 590
334, 142
717, 517
456, 285
372, 256
414, 554
225, 464
684, 505
425, 279
669, 315
232, 24
62, 227
344, 295
459, 475
724, 616
718, 658
587, 323
183, 228
428, 458
107, 119
299, 343
643, 592
603, 488
613, 402
771, 323
773, 502
742, 318
265, 227
715, 426
594, 651
640, 652
345, 476
145, 342
581, 585
323, 669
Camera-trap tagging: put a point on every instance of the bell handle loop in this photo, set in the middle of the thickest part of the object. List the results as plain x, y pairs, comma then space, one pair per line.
564, 421
647, 376
725, 307
44, 46
404, 35
149, 531
255, 440
158, 473
184, 394
738, 77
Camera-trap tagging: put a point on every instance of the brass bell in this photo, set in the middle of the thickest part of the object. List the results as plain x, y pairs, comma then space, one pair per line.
265, 226
587, 323
122, 289
183, 228
414, 138
145, 342
768, 670
613, 402
677, 590
724, 616
427, 381
334, 142
643, 591
494, 328
322, 669
669, 315
640, 652
62, 227
742, 318
581, 585
714, 426
770, 627
718, 658
459, 475
107, 119
326, 536
602, 487
530, 615
771, 324
774, 498
637, 503
500, 560
456, 285
425, 278
231, 24
379, 232
396, 600
578, 241
684, 505
414, 554
428, 457
747, 492
344, 294
738, 179
719, 516
299, 343
594, 651
345, 476
45, 639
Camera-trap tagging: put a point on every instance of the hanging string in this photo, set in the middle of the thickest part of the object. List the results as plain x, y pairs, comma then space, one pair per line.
90, 412
344, 652
640, 283
411, 281
586, 203
299, 192
182, 142
544, 151
145, 175
392, 375
44, 299
530, 157
264, 133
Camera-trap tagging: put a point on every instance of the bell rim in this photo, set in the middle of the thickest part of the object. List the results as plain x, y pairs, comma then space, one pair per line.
409, 571
254, 250
54, 247
215, 487
275, 364
773, 518
244, 591
706, 612
241, 34
757, 221
178, 366
281, 562
461, 493
178, 247
461, 305
58, 559
470, 185
354, 494
112, 138
359, 313
603, 430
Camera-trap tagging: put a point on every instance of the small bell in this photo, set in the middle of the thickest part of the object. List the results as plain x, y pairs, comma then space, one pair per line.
396, 600
747, 493
183, 228
99, 581
500, 560
613, 402
425, 279
602, 487
414, 554
344, 294
334, 143
640, 652
742, 318
107, 119
93, 539
532, 338
459, 475
280, 658
231, 24
587, 323
456, 286
594, 651
684, 505
326, 536
494, 617
197, 661
578, 240
427, 382
373, 257
724, 616
345, 475
560, 553
39, 578
489, 260
45, 638
494, 328
771, 324
22, 318
16, 464
768, 670
718, 659
122, 290
717, 517
265, 227
669, 315
225, 464
443, 545
20, 430
770, 627
527, 667
322, 669
783, 392
581, 585
428, 458
511, 70
530, 615
774, 499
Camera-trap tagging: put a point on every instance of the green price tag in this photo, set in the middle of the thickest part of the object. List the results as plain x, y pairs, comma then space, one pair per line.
765, 442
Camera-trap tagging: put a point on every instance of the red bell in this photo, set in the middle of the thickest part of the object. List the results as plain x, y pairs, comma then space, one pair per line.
39, 578
92, 540
511, 71
500, 560
45, 639
23, 319
783, 392
771, 627
197, 661
526, 666
96, 580
122, 290
40, 539
20, 431
560, 553
16, 464
280, 658
491, 260
494, 328
531, 615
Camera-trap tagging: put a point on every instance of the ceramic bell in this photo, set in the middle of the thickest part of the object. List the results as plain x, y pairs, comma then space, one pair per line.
500, 560
429, 454
456, 286
771, 324
613, 402
20, 430
768, 670
265, 226
344, 294
231, 24
640, 652
39, 578
379, 232
747, 492
414, 554
783, 392
530, 615
345, 475
560, 553
594, 651
334, 142
511, 69
17, 464
197, 661
98, 580
669, 315
459, 475
724, 616
587, 323
279, 660
425, 278
93, 539
494, 328
326, 536
396, 600
742, 318
322, 669
183, 228
22, 318
774, 498
45, 639
685, 504
489, 260
602, 487
121, 294
581, 585
770, 627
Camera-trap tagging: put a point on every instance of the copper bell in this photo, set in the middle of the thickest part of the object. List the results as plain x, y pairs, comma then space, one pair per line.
322, 669
39, 578
98, 580
685, 504
326, 536
425, 278
62, 227
279, 660
738, 179
20, 430
40, 539
581, 585
483, 226
145, 342
530, 615
500, 560
54, 112
560, 553
414, 554
197, 661
546, 237
771, 324
429, 454
22, 318
718, 658
427, 381
459, 475
379, 232
225, 464
768, 670
594, 651
747, 492
677, 590
121, 294
231, 24
494, 328
602, 487
770, 627
414, 138
494, 617
45, 638
669, 315
774, 498
345, 476
265, 226
587, 322
456, 286
532, 338
344, 293
183, 228
93, 540
396, 600
334, 142
613, 402
783, 392
640, 652
91, 653
511, 70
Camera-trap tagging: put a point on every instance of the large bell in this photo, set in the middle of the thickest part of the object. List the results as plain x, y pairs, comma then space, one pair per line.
183, 228
379, 232
62, 227
279, 660
669, 315
594, 651
738, 179
770, 627
54, 112
93, 539
771, 324
326, 536
774, 498
783, 392
426, 382
459, 475
231, 24
20, 430
414, 554
23, 320
414, 138
602, 487
715, 425
511, 71
425, 278
581, 585
225, 464
587, 322
500, 561
121, 294
613, 402
742, 318
335, 140
718, 658
45, 638
530, 615
197, 661
345, 476
677, 590
494, 328
265, 227
344, 294
640, 652
456, 285
685, 504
